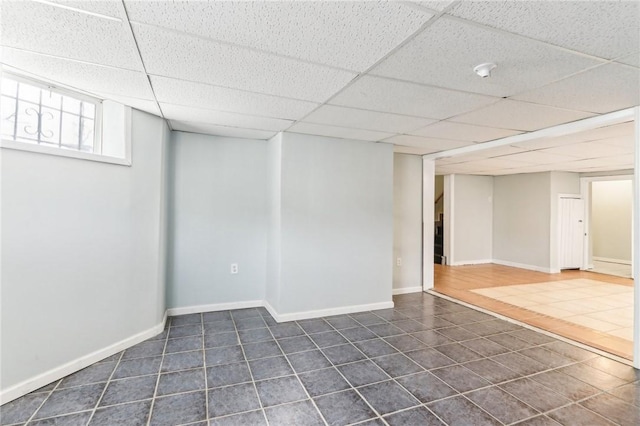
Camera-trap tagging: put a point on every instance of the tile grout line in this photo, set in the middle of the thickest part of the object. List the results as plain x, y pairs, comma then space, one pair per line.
44, 400
253, 382
424, 371
106, 385
204, 370
295, 373
164, 350
338, 370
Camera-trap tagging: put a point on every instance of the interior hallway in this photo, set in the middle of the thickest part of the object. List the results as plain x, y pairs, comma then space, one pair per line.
579, 319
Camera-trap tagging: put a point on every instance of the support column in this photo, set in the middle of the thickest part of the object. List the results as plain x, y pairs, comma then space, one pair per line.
428, 196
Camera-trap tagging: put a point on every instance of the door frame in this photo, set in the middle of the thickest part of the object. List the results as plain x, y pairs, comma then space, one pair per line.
585, 186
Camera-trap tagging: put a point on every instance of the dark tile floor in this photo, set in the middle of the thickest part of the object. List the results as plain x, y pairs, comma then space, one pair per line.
426, 362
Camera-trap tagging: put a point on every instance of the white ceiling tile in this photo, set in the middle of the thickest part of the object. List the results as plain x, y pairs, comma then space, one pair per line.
434, 4
410, 150
368, 120
463, 132
107, 8
538, 157
181, 92
446, 52
633, 59
626, 159
607, 88
61, 32
508, 114
621, 130
351, 35
625, 129
626, 142
499, 151
588, 163
79, 75
210, 129
141, 104
587, 150
499, 163
185, 57
338, 132
382, 94
200, 115
433, 145
608, 29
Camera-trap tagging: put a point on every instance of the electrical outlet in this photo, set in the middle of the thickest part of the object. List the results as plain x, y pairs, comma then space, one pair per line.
399, 261
234, 268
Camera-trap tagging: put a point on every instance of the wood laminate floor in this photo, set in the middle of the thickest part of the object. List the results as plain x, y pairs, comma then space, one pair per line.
591, 308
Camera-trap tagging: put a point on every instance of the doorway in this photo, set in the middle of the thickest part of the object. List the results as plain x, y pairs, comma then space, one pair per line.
608, 242
571, 251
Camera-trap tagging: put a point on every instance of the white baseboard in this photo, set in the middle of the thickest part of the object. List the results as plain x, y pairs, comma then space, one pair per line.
197, 309
31, 384
522, 266
405, 290
296, 316
610, 260
471, 262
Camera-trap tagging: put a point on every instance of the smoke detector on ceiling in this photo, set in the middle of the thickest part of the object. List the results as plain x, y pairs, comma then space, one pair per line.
484, 70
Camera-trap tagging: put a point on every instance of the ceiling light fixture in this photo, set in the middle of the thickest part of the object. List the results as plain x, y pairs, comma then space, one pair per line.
484, 70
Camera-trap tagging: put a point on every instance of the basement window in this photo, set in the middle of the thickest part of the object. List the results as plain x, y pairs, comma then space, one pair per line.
39, 117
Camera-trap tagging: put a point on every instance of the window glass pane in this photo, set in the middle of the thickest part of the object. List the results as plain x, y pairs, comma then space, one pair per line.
87, 135
51, 99
46, 116
27, 121
50, 125
71, 105
70, 130
28, 93
88, 110
8, 108
9, 87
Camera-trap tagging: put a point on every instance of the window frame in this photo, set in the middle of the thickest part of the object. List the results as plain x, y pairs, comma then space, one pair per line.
96, 155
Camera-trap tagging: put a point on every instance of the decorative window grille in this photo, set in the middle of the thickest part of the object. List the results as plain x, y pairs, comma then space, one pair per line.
48, 116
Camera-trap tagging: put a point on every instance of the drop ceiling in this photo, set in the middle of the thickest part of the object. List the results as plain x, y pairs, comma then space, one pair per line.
391, 72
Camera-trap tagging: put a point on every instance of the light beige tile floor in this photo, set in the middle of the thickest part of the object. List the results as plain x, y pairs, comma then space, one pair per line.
601, 306
611, 268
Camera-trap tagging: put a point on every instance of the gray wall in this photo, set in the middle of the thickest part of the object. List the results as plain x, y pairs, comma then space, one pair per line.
407, 220
611, 208
521, 219
82, 252
218, 217
336, 223
472, 219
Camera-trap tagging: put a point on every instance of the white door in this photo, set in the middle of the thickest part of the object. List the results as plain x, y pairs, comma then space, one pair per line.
571, 232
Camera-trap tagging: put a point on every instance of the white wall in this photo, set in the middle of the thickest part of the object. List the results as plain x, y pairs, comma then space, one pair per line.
611, 208
218, 217
472, 219
336, 223
521, 220
407, 222
561, 183
82, 253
